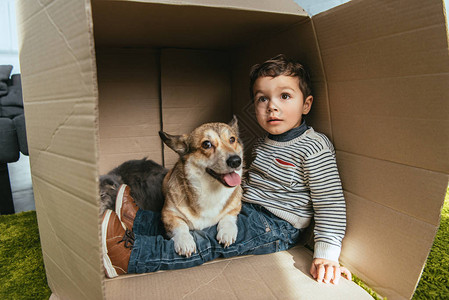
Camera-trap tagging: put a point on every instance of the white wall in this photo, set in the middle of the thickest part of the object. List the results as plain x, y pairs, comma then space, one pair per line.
314, 7
9, 53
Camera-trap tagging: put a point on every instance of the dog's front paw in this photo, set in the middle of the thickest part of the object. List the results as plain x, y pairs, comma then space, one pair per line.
184, 244
227, 234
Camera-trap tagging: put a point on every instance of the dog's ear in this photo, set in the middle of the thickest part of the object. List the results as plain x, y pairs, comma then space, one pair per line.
177, 143
234, 124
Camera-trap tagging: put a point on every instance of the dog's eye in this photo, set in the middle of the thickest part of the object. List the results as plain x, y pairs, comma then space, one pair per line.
206, 144
232, 140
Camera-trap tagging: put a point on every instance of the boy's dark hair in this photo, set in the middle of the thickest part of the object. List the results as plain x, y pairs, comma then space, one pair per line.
281, 65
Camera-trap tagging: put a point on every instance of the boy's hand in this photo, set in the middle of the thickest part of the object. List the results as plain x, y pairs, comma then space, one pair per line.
328, 271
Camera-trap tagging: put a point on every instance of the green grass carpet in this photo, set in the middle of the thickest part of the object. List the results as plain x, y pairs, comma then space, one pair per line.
434, 283
22, 272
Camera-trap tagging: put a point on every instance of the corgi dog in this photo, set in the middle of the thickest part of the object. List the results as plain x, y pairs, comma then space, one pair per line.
203, 188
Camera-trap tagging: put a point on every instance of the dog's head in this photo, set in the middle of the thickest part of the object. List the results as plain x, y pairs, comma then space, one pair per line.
213, 148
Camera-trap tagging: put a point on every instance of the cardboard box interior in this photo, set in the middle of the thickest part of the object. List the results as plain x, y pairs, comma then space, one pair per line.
101, 79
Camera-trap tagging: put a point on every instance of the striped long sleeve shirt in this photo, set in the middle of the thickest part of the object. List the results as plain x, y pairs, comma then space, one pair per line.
297, 180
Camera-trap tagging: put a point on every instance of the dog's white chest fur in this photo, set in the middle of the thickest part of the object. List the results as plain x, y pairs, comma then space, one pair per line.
212, 198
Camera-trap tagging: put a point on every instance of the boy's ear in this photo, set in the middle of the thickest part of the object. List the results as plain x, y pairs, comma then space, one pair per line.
307, 105
177, 143
234, 124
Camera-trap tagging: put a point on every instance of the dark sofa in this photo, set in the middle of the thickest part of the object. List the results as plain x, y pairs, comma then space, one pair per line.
12, 132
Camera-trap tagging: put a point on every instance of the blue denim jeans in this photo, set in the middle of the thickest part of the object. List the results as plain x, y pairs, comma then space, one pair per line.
259, 232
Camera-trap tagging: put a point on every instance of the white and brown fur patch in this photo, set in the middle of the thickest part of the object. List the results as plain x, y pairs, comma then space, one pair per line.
203, 188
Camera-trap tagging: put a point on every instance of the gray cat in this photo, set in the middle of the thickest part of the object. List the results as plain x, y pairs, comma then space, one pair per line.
144, 177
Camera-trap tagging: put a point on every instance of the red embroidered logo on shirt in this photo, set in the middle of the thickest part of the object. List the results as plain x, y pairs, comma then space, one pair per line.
285, 163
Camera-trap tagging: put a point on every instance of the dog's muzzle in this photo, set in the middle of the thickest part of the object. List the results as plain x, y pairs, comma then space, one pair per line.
230, 179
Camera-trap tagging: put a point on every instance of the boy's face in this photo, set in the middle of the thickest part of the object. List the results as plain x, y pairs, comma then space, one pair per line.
279, 103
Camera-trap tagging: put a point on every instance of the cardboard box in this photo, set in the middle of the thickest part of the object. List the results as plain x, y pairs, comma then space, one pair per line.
101, 78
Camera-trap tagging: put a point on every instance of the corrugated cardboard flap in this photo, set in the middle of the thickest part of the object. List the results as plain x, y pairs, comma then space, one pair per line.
59, 89
387, 71
193, 24
282, 275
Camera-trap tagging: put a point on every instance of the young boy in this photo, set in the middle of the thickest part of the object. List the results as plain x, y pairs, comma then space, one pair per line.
293, 178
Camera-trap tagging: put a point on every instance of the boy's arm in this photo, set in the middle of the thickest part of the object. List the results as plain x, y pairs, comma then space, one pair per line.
328, 204
329, 212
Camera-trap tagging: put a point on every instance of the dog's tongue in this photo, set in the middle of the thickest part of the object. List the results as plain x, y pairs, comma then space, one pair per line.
232, 179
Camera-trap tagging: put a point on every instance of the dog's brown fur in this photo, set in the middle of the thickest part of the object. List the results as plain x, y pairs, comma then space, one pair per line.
195, 196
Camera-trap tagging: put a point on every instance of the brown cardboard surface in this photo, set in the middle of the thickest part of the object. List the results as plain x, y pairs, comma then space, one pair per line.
129, 106
280, 6
404, 188
58, 221
186, 29
62, 285
376, 19
66, 257
385, 247
282, 275
59, 90
396, 74
387, 77
196, 89
67, 119
404, 131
